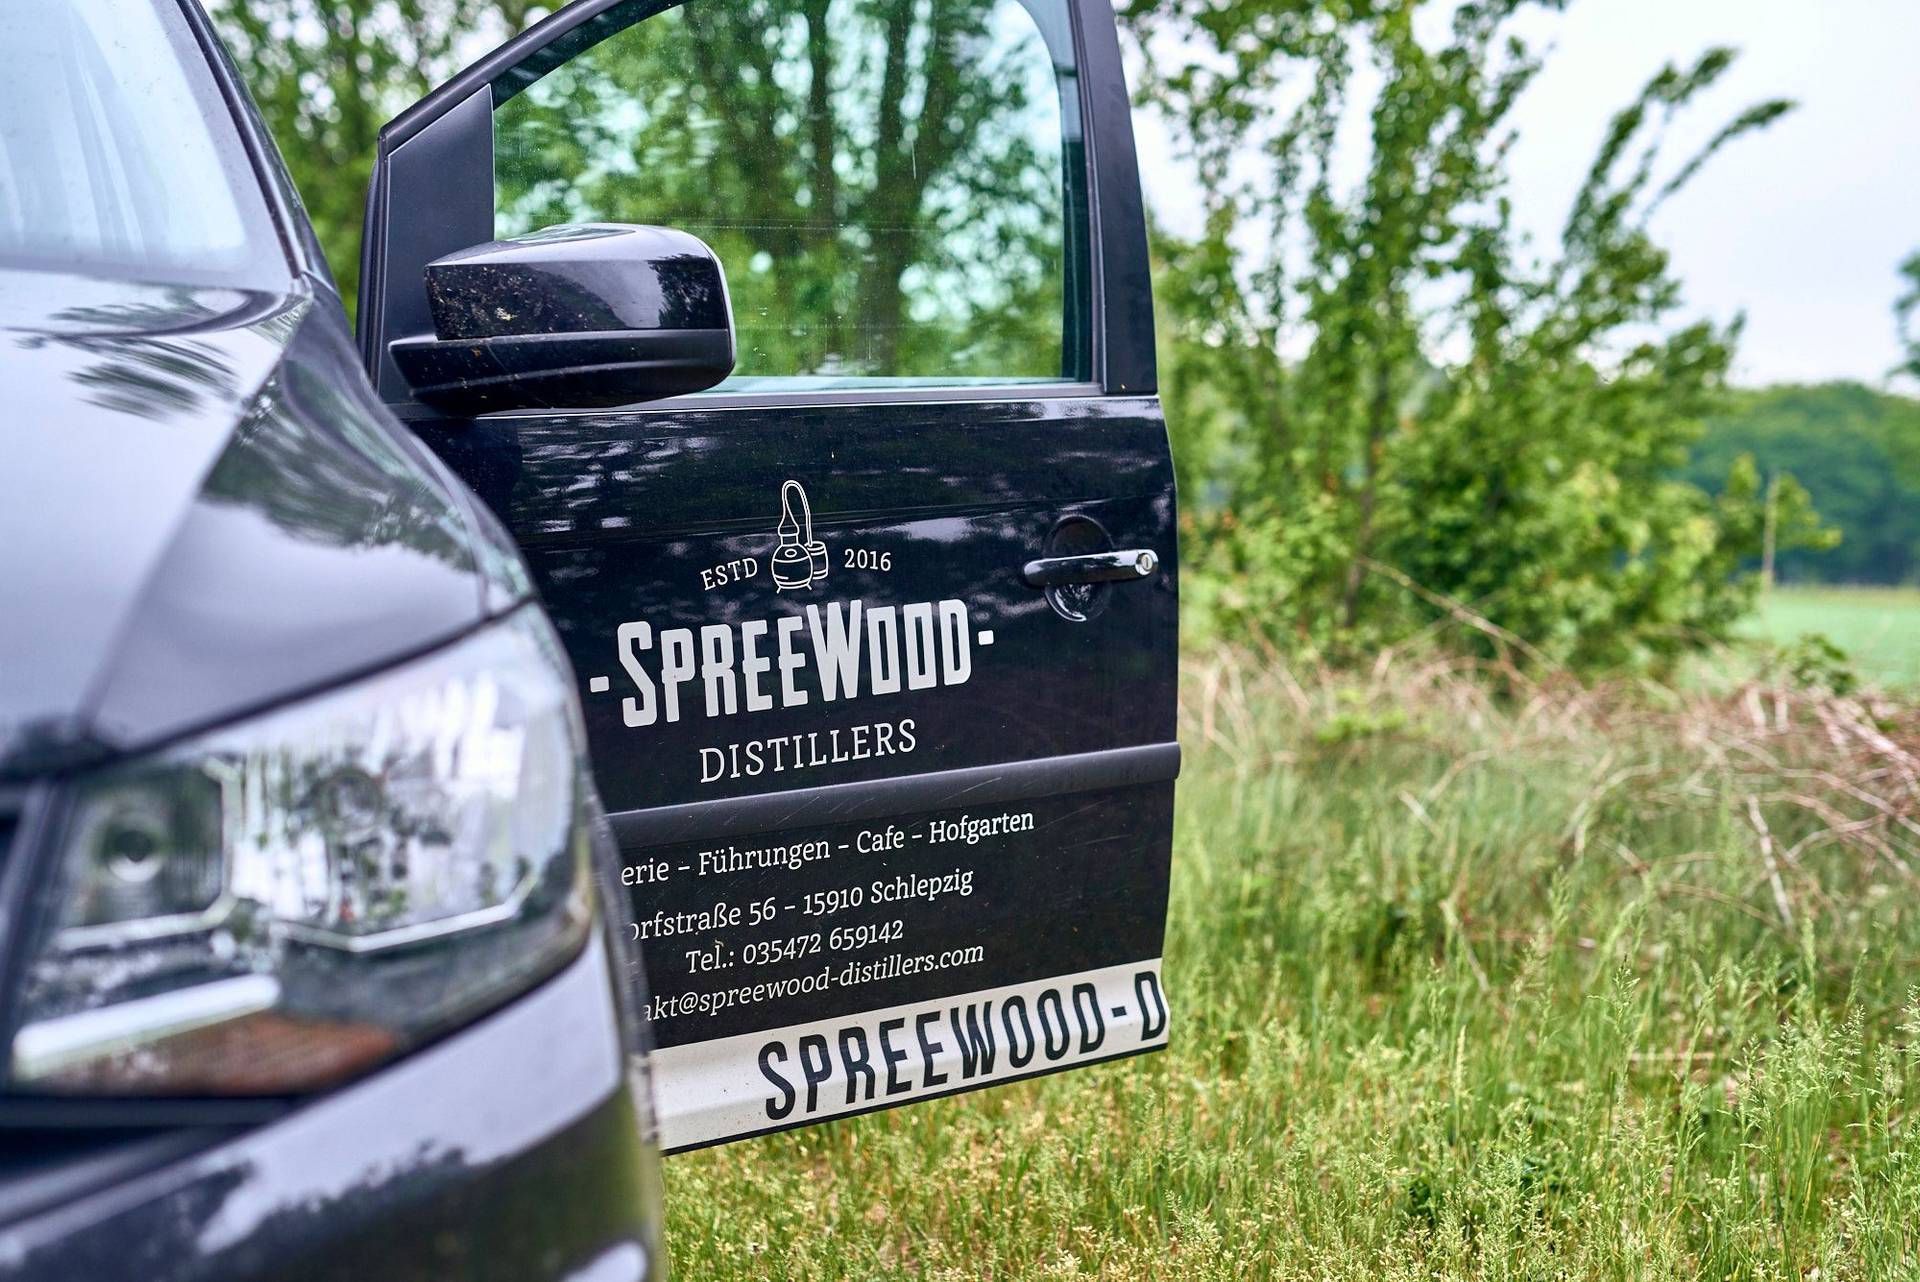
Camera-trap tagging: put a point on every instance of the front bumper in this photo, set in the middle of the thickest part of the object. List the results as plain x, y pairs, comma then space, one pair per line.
510, 1150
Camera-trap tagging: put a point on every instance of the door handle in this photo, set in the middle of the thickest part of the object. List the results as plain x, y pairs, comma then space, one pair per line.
1098, 567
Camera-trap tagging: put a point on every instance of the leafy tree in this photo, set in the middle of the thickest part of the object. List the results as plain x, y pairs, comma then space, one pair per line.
884, 180
1399, 416
1388, 411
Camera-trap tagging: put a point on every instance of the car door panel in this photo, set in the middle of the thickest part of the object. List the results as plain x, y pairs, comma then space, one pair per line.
965, 928
1053, 872
893, 822
620, 515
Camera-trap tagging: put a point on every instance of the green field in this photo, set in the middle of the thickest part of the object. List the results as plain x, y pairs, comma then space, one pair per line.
1468, 983
1879, 628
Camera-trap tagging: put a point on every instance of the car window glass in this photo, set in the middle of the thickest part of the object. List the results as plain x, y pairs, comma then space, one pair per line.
116, 153
893, 187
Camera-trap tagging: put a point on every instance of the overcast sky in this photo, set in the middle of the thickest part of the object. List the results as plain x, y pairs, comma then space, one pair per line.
1802, 226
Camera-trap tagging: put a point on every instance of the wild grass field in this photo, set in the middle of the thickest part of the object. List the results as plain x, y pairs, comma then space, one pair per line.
1879, 628
1473, 979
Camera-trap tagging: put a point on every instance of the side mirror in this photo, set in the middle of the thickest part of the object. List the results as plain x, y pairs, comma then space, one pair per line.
571, 317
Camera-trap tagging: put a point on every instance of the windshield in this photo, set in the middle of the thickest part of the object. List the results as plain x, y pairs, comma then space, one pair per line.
117, 155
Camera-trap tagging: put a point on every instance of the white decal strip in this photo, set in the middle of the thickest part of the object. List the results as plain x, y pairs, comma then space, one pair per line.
743, 1085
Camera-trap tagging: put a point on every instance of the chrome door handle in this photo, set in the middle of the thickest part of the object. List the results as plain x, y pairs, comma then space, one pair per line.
1099, 567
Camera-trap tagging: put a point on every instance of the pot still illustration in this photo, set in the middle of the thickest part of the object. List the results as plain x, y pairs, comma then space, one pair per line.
801, 560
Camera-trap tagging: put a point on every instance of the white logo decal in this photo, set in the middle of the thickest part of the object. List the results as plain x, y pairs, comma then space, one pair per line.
800, 561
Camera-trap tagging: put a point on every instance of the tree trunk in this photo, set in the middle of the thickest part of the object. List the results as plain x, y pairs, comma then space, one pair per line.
1769, 537
1379, 417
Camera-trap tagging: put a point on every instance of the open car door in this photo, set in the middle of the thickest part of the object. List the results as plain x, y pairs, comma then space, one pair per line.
876, 638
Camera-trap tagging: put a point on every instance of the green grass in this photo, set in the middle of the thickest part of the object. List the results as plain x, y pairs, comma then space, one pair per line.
1468, 984
1879, 628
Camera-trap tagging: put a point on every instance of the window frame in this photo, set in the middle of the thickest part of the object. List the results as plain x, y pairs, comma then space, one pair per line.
414, 214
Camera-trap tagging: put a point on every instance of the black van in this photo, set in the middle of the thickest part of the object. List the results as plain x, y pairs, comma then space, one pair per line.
739, 549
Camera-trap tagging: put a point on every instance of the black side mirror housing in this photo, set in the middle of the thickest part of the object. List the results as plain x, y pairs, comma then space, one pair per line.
571, 317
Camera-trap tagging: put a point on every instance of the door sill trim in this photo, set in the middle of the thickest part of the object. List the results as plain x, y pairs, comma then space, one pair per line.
851, 802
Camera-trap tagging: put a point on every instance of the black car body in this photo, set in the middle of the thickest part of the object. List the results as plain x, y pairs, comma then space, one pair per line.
208, 517
321, 941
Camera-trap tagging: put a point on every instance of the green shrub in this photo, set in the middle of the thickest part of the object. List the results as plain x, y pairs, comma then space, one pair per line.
1388, 416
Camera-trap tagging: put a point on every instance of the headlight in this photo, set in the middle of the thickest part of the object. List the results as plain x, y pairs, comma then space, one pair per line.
282, 904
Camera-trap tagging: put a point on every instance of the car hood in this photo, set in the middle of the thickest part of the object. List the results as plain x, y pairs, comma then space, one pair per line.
203, 512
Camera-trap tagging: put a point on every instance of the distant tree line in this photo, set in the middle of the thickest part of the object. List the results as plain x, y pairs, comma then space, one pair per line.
1855, 450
